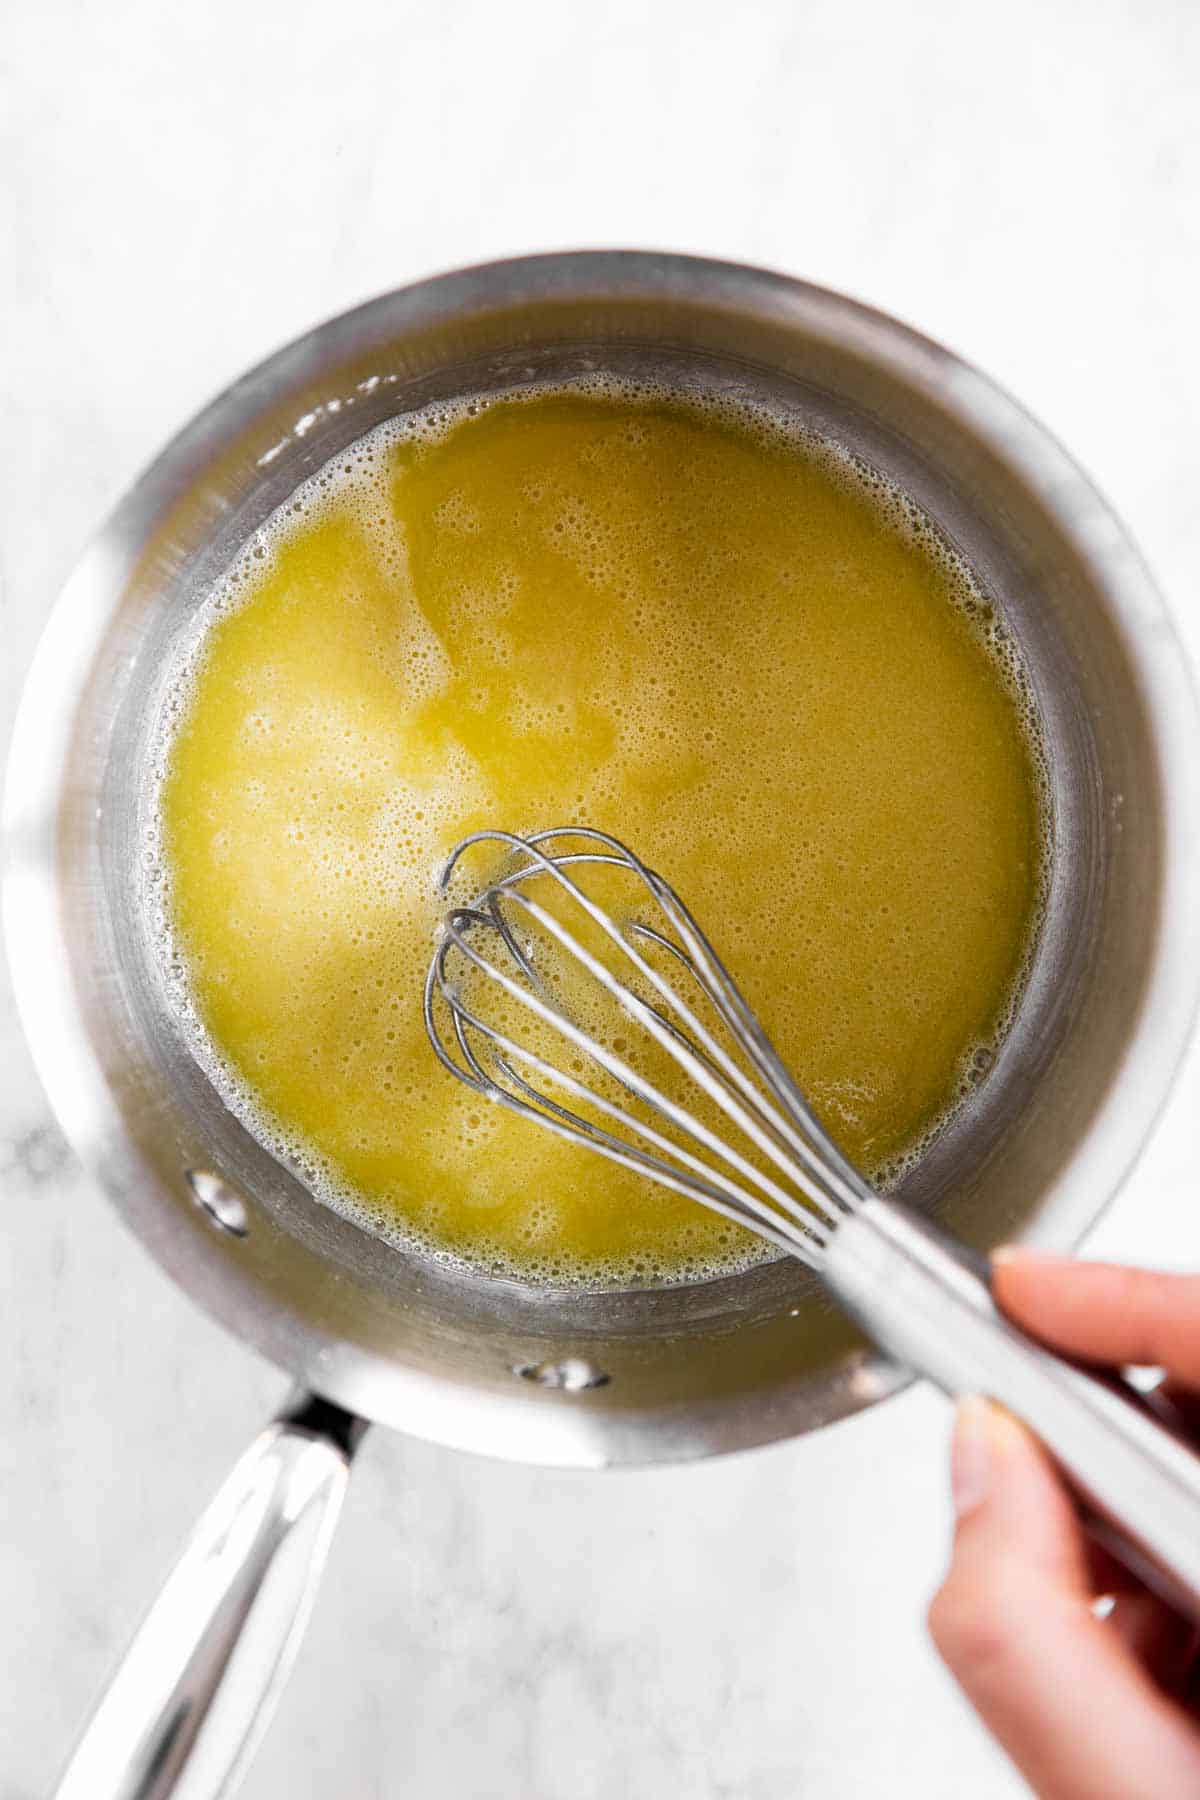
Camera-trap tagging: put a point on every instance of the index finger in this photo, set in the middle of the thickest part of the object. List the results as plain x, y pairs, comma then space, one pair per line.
1103, 1312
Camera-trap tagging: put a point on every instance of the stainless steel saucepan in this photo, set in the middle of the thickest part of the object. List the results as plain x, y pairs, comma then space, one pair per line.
488, 1365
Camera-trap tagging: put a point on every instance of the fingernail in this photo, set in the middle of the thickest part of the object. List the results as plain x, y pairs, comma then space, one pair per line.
971, 1455
1010, 1253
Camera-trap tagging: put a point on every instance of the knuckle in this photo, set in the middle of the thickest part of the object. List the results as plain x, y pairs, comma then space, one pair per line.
976, 1626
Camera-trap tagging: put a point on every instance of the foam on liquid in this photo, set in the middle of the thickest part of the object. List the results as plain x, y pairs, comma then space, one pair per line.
728, 642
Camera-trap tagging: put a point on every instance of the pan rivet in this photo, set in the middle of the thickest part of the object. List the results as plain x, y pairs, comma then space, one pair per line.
222, 1207
572, 1374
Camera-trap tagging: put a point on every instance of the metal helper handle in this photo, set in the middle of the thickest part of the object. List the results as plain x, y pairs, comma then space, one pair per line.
926, 1300
185, 1709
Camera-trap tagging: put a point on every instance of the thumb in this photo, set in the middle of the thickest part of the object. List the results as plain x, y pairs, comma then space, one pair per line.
1013, 1621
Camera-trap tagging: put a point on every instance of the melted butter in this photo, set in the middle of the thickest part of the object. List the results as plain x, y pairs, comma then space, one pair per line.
671, 622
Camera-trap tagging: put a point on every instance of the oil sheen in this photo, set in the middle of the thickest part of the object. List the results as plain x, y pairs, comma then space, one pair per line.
721, 639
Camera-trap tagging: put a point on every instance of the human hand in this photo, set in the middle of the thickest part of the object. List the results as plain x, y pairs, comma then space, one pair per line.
1088, 1707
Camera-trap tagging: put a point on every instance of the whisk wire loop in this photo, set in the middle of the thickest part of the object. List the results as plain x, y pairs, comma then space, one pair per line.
612, 1063
756, 1093
816, 1150
711, 1187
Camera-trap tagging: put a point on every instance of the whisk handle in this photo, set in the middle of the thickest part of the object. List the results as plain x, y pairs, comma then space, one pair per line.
926, 1301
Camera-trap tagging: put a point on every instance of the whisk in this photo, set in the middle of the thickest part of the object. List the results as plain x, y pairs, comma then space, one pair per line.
510, 1003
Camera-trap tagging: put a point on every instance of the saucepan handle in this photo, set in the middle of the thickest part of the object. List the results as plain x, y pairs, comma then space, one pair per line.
188, 1704
926, 1300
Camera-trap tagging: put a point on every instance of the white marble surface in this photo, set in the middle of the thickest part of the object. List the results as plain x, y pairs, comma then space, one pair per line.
180, 190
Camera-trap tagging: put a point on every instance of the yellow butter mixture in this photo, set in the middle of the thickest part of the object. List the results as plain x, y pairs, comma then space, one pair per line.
678, 622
